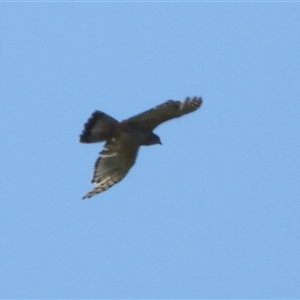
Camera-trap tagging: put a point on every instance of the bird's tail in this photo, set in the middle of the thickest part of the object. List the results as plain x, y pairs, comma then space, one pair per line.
98, 128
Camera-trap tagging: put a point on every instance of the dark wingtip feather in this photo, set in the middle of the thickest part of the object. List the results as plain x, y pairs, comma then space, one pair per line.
88, 126
195, 101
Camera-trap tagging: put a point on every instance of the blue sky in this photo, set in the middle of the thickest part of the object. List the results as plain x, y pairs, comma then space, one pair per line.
213, 213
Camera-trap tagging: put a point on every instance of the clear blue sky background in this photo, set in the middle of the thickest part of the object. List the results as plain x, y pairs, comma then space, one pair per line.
214, 212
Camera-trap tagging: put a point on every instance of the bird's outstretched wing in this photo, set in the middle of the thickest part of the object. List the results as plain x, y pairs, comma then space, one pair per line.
98, 128
169, 110
112, 166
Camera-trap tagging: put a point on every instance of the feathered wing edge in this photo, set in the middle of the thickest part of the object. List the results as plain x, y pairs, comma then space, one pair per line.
106, 182
112, 166
98, 128
164, 112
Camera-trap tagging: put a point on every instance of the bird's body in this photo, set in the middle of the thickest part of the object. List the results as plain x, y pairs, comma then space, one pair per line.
123, 139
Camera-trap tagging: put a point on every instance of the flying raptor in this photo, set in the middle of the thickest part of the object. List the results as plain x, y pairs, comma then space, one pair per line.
123, 139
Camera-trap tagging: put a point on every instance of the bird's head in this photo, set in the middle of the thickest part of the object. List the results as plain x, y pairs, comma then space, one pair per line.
152, 139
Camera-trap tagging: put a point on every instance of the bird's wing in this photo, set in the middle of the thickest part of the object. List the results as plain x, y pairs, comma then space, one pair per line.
98, 128
112, 166
164, 112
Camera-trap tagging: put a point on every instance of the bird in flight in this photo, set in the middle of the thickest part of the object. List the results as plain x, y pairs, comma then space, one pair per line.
123, 139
